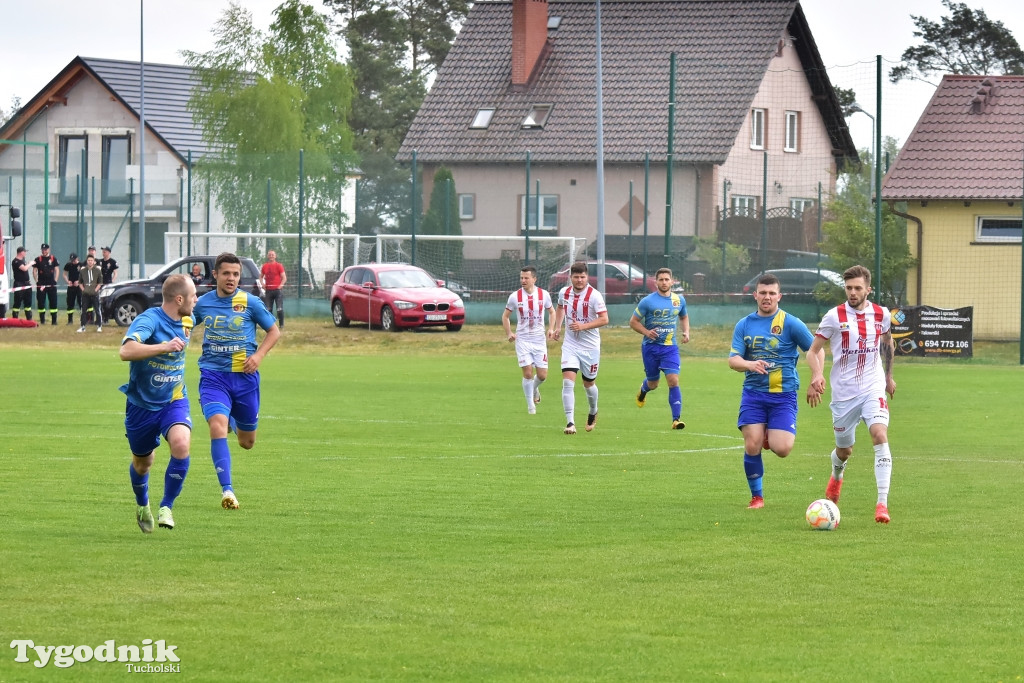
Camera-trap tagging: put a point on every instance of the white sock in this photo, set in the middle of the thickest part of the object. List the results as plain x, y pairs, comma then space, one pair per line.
883, 471
537, 381
838, 466
568, 399
528, 391
592, 398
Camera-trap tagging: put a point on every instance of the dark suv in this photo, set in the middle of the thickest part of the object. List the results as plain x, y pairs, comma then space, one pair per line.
123, 301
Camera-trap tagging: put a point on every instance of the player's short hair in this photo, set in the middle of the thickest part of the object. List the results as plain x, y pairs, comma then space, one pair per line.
663, 270
226, 257
578, 267
769, 279
175, 285
529, 269
857, 271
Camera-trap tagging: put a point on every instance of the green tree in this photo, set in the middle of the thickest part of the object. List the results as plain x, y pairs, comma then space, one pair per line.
849, 232
967, 42
442, 219
263, 98
709, 250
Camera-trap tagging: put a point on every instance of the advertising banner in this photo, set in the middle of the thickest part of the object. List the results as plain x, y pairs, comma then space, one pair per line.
933, 332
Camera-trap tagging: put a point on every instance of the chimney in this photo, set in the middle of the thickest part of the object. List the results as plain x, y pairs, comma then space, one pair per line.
529, 38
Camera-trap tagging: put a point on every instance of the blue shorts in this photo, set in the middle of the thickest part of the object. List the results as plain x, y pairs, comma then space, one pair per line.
144, 427
777, 411
235, 394
659, 358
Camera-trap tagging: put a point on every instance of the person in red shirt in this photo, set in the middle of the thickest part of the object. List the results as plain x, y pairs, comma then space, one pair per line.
273, 277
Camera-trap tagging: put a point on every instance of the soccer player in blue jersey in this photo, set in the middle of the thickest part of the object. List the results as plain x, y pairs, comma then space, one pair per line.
229, 378
765, 348
157, 405
658, 317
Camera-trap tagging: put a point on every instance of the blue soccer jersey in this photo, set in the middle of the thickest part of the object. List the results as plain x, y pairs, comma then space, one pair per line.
155, 382
775, 340
662, 314
230, 334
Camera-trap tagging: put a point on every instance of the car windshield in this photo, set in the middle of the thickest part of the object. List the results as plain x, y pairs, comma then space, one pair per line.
395, 279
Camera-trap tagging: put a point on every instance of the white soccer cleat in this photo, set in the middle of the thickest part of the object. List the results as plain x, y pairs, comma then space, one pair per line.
570, 428
228, 500
164, 517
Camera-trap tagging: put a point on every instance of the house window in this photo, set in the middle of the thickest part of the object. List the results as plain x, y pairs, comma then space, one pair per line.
538, 116
116, 154
792, 132
548, 212
467, 207
797, 206
998, 229
744, 205
70, 165
757, 121
482, 119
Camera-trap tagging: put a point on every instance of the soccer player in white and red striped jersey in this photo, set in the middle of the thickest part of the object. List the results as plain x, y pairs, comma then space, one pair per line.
862, 353
530, 303
584, 311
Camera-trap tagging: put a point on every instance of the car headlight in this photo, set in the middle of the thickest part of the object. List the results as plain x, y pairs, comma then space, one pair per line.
106, 292
458, 303
404, 305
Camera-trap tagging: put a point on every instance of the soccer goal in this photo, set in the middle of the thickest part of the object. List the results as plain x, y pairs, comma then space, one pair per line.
481, 267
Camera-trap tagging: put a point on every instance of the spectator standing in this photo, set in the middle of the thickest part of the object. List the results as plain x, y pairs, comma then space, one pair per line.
91, 279
109, 267
22, 284
46, 270
74, 290
273, 277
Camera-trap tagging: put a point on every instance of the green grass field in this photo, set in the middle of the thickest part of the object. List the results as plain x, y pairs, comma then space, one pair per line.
403, 518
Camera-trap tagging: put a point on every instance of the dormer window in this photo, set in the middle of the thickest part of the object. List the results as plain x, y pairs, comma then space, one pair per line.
538, 116
482, 118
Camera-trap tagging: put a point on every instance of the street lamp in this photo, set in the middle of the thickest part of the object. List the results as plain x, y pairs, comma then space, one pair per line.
854, 108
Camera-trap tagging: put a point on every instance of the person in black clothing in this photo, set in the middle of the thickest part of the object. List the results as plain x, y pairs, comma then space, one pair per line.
74, 291
108, 266
22, 285
46, 269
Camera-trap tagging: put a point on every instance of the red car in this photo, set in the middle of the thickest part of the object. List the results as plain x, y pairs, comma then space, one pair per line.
394, 296
623, 283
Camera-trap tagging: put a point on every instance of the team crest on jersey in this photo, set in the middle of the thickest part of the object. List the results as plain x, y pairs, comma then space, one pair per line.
776, 329
844, 327
238, 308
878, 328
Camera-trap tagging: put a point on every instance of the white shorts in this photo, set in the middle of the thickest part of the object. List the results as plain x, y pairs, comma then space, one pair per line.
846, 415
532, 352
586, 361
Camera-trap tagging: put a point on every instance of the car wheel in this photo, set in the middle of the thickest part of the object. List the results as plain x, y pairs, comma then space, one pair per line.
453, 327
338, 312
128, 310
387, 320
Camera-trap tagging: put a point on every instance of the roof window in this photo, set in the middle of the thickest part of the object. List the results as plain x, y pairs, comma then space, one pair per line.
554, 23
538, 116
482, 118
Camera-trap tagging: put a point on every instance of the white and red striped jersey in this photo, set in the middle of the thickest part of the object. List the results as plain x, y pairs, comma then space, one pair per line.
582, 307
855, 337
529, 309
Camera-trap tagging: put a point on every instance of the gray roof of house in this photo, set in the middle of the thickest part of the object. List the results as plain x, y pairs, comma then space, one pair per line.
168, 89
723, 48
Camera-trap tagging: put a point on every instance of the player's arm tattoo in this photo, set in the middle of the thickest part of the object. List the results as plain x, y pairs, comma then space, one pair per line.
886, 351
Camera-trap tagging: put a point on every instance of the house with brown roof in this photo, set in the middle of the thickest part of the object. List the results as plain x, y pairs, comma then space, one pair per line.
757, 123
961, 175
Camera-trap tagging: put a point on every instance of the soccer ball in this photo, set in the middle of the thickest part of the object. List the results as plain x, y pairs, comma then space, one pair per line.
823, 515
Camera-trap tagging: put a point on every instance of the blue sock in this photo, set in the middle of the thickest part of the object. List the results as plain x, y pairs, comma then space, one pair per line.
140, 484
644, 388
174, 479
221, 462
754, 467
675, 401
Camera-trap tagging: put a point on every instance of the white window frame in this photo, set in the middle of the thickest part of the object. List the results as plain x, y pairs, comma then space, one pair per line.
744, 205
467, 206
758, 127
538, 116
797, 206
792, 132
549, 210
483, 118
979, 230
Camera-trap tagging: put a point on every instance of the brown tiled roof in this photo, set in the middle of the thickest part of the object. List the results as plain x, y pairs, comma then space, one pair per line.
962, 149
722, 48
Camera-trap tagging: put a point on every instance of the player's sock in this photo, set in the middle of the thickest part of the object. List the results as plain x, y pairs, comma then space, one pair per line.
537, 381
592, 398
140, 484
753, 465
568, 399
675, 401
883, 471
174, 479
838, 466
221, 461
644, 389
528, 391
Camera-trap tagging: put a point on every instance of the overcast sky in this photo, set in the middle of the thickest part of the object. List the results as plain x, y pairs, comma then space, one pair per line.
40, 37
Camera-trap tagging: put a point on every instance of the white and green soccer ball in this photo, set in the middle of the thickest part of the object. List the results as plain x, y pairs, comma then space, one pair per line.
823, 515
